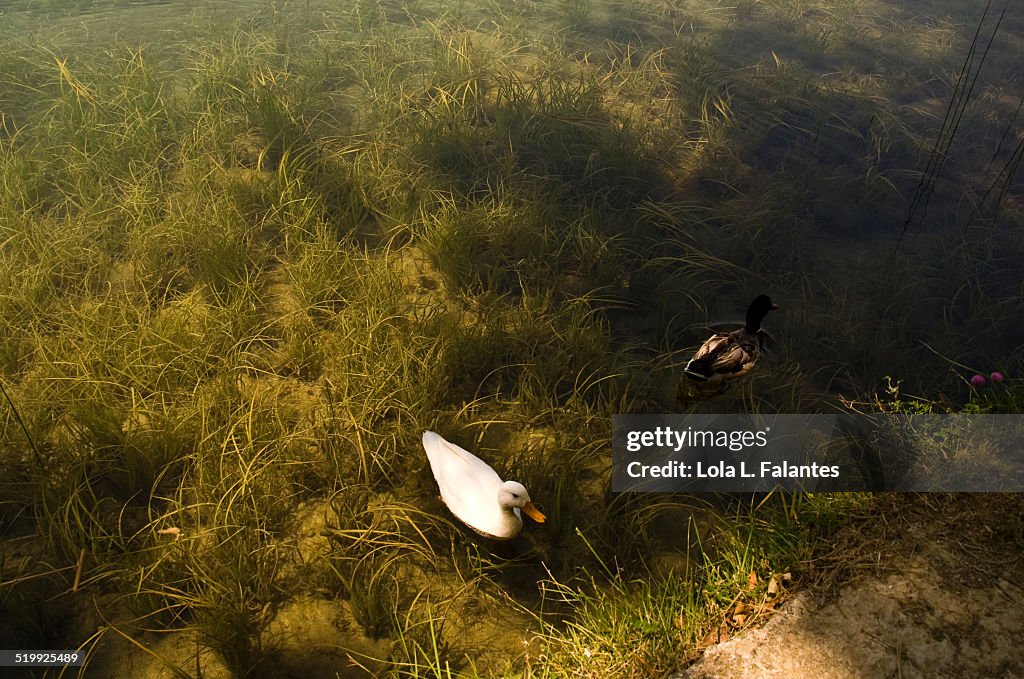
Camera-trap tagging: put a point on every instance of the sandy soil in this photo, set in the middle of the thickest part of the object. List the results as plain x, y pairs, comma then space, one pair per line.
932, 588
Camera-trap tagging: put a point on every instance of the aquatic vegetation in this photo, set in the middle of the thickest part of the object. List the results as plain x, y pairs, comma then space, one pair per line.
248, 255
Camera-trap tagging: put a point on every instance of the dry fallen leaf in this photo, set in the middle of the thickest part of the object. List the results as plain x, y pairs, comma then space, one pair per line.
778, 582
752, 581
739, 619
723, 633
715, 635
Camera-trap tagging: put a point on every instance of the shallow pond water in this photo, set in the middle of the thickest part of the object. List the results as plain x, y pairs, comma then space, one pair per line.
249, 251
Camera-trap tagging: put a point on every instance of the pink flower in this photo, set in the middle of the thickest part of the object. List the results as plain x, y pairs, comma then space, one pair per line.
997, 377
978, 380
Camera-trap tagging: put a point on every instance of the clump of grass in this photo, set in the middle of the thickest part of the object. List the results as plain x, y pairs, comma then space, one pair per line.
421, 650
264, 87
217, 568
633, 624
627, 629
506, 246
374, 551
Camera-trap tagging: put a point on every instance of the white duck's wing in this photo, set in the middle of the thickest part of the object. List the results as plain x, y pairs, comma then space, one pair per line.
469, 487
456, 463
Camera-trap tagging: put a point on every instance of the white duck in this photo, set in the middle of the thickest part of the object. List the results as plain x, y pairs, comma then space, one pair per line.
475, 493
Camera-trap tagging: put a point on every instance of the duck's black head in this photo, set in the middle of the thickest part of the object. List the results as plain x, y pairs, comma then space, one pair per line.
757, 310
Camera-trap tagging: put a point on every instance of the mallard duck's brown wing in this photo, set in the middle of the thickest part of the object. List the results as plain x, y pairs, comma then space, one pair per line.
724, 356
701, 366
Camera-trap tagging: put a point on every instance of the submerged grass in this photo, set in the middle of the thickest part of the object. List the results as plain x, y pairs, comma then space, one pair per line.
241, 274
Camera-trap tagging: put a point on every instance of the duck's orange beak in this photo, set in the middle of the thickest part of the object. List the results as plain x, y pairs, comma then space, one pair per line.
534, 513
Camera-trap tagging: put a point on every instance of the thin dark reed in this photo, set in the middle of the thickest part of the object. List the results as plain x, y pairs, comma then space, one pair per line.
21, 423
1009, 172
958, 103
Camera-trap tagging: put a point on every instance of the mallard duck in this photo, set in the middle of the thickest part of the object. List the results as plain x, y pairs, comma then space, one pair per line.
475, 493
728, 355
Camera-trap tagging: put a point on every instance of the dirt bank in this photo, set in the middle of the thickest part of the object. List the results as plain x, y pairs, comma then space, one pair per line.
929, 588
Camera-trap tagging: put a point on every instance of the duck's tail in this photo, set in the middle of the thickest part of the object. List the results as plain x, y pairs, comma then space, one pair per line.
699, 370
